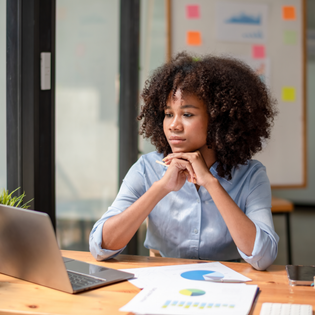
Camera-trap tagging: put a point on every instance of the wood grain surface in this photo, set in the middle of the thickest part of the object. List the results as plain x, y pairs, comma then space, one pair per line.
21, 297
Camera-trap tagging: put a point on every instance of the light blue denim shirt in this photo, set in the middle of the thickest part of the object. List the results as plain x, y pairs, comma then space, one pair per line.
187, 223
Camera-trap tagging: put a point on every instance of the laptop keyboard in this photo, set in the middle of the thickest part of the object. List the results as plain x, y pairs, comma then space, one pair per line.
79, 281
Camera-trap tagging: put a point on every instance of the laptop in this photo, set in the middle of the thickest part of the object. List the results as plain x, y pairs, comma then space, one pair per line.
29, 251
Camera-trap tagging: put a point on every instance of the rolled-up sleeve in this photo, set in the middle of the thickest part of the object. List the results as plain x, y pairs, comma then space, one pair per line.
258, 210
132, 188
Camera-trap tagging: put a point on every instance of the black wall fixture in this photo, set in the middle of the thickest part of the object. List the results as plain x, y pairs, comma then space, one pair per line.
128, 96
31, 109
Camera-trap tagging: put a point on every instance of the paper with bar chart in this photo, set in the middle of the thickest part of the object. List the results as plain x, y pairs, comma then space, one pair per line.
204, 298
214, 271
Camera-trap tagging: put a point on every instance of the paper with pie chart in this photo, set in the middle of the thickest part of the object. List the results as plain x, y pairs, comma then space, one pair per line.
194, 298
206, 272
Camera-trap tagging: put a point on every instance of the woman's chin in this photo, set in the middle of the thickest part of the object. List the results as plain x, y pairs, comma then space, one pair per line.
180, 150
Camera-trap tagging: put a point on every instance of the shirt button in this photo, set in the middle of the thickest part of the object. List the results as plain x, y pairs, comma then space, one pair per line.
195, 231
198, 200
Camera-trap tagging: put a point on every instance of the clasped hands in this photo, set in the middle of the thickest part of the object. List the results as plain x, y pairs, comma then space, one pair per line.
189, 166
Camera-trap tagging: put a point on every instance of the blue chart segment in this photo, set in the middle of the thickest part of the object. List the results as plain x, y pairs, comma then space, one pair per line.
198, 275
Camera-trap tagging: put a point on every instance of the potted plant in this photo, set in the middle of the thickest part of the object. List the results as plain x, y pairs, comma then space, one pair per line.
6, 198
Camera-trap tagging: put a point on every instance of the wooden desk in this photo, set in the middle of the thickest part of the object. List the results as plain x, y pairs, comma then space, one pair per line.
284, 207
21, 297
281, 205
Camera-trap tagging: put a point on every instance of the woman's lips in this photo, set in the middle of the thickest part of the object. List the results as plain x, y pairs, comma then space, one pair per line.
176, 140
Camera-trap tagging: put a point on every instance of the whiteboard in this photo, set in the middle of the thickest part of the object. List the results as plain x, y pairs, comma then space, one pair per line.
270, 36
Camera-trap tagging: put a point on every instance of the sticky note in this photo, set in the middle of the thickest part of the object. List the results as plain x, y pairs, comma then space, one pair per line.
290, 37
258, 51
193, 38
192, 11
288, 94
288, 13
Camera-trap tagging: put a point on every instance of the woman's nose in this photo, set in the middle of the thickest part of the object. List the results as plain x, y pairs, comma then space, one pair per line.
176, 124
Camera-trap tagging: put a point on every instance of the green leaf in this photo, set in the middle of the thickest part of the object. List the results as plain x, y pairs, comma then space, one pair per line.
25, 205
16, 201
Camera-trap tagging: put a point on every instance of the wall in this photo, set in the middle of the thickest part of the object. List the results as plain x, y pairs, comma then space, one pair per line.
153, 54
306, 196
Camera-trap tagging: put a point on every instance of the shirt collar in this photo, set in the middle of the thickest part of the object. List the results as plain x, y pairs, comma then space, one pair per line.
213, 170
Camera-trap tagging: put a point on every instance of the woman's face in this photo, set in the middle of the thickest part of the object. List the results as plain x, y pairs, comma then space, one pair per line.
185, 123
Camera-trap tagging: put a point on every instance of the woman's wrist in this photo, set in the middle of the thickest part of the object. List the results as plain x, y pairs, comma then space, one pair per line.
161, 188
211, 183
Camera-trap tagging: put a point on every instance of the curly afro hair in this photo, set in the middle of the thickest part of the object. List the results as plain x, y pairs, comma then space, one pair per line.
240, 108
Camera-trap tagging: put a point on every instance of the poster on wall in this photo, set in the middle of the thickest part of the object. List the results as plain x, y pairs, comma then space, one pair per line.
241, 22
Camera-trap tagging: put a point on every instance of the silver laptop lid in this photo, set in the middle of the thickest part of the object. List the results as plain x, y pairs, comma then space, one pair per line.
28, 248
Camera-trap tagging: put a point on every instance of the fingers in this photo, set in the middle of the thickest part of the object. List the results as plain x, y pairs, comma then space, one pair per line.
195, 161
190, 156
186, 167
189, 178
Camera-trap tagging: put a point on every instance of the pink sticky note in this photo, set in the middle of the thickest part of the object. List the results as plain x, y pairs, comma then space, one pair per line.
192, 11
258, 51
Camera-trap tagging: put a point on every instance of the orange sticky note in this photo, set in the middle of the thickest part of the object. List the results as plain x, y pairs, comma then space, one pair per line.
193, 38
192, 11
288, 13
258, 51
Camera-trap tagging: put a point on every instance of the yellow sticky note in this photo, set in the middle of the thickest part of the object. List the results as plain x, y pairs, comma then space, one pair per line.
288, 94
193, 38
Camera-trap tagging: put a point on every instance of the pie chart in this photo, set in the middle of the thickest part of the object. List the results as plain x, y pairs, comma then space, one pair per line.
192, 292
198, 275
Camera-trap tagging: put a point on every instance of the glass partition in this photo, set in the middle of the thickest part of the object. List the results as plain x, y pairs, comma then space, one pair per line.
87, 57
153, 48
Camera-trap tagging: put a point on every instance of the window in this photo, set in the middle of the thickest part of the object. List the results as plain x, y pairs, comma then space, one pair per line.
87, 61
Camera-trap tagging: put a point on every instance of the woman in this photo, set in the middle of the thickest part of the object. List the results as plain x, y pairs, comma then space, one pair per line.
206, 117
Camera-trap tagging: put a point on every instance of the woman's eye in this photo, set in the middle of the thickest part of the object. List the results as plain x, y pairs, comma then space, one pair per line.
168, 115
188, 115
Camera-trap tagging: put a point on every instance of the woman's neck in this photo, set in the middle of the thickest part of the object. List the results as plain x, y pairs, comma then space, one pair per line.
208, 155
